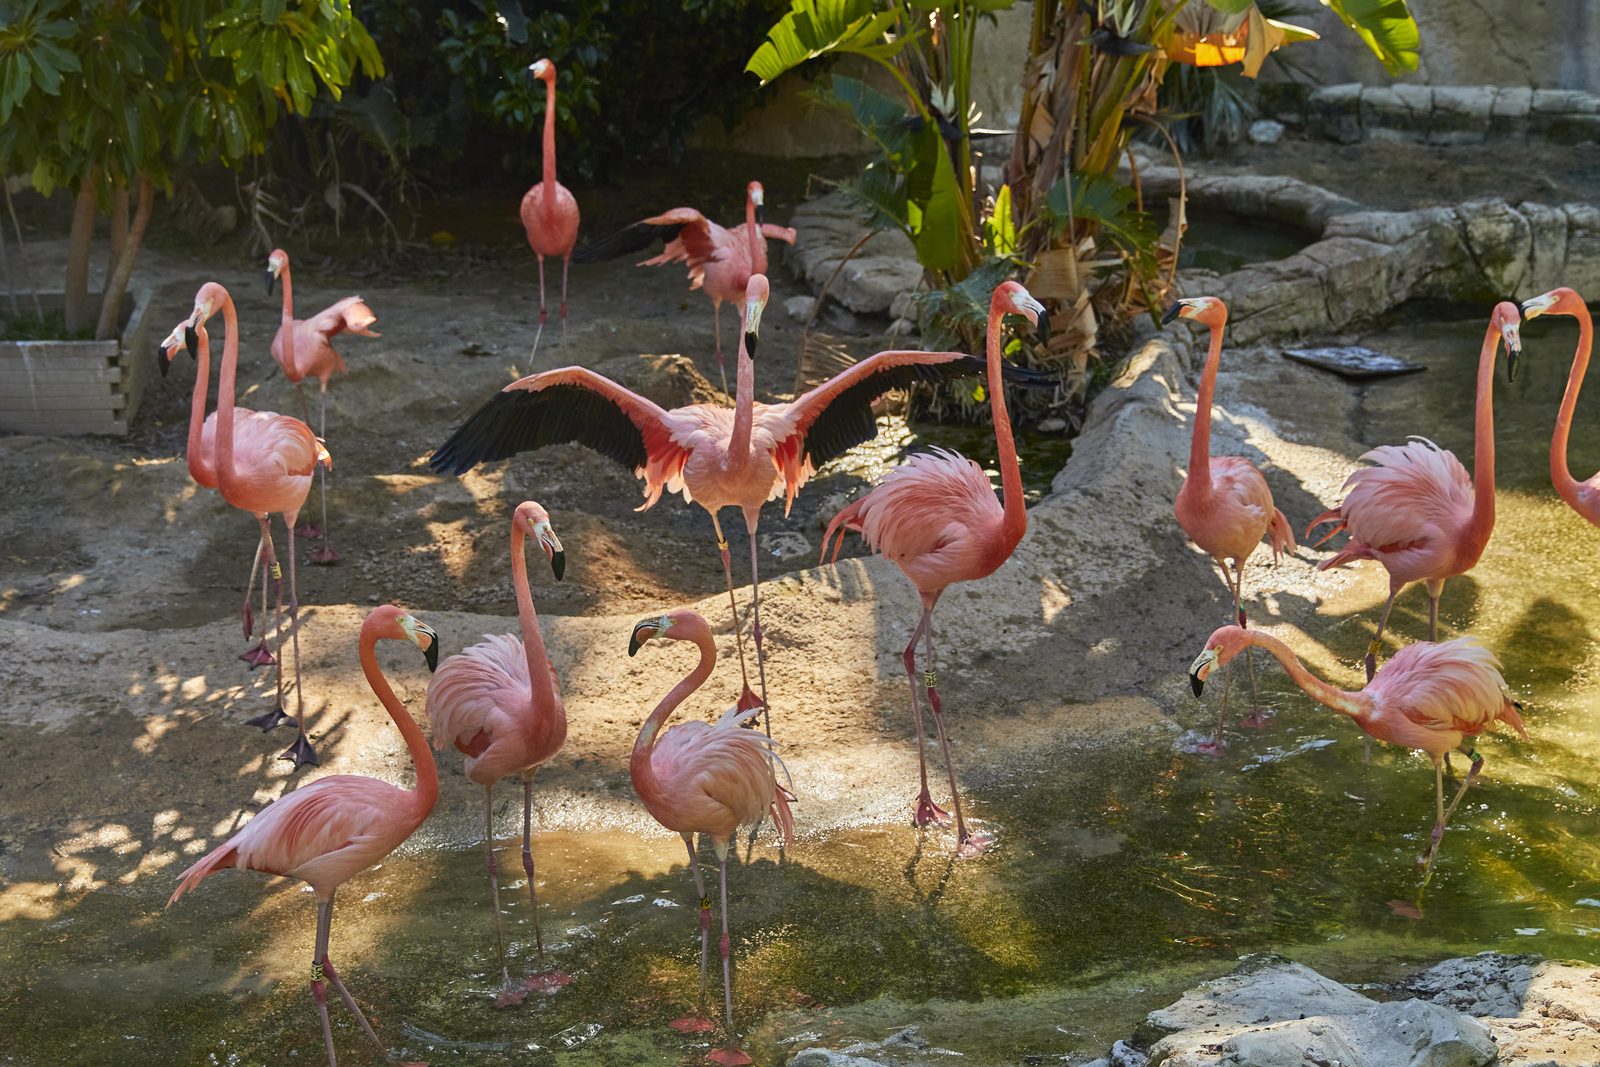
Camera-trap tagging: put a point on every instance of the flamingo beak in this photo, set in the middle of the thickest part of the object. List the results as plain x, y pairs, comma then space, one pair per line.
163, 357
552, 547
645, 629
1532, 309
1200, 668
191, 341
1172, 312
272, 278
424, 637
752, 328
1513, 337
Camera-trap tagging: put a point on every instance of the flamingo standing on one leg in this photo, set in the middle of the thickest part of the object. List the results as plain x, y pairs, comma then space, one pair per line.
706, 780
1582, 497
304, 349
1224, 504
549, 212
499, 703
1433, 697
1414, 510
716, 457
720, 260
330, 830
937, 519
268, 472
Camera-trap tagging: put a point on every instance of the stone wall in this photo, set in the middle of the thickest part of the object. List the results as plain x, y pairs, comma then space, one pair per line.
1443, 115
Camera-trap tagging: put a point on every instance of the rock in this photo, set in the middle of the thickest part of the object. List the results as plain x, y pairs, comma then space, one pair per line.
1489, 983
1052, 425
1263, 989
903, 328
822, 1057
904, 306
786, 545
904, 1048
883, 268
1265, 131
670, 380
799, 307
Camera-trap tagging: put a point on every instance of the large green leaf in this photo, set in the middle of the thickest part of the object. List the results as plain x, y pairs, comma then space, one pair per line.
1231, 7
937, 233
1386, 26
815, 28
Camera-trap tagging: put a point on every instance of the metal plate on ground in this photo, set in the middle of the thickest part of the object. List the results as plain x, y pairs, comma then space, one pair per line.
1355, 362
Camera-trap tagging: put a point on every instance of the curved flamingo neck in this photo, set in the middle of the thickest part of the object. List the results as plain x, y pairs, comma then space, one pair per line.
639, 765
202, 468
550, 145
1566, 485
1356, 705
288, 315
427, 790
225, 389
1482, 524
1015, 521
1200, 441
758, 243
744, 405
544, 694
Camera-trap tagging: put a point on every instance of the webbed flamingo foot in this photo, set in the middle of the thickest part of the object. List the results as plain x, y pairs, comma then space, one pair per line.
547, 983
269, 720
300, 753
325, 556
928, 813
729, 1057
974, 845
308, 530
258, 656
1257, 719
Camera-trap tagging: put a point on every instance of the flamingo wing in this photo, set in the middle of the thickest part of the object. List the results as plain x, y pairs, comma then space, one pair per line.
683, 225
1411, 493
571, 404
772, 232
476, 694
1449, 685
351, 313
722, 776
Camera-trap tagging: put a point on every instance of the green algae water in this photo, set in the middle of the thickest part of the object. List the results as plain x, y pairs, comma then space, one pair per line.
1125, 873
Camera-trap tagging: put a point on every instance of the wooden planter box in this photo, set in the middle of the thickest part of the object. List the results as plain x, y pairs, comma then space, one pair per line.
76, 387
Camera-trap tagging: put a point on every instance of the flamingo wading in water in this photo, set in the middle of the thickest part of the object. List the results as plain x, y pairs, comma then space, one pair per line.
1582, 497
709, 780
330, 830
936, 518
1432, 697
499, 703
1415, 510
1224, 504
720, 260
549, 212
715, 457
304, 349
264, 463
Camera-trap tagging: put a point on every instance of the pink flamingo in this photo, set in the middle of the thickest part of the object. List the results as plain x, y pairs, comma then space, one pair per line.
707, 780
269, 472
937, 519
1432, 697
549, 212
304, 349
1414, 510
332, 829
720, 260
715, 457
499, 703
1582, 497
1224, 504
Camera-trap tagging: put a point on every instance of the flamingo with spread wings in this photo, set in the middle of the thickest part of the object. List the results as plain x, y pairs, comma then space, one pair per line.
714, 456
721, 260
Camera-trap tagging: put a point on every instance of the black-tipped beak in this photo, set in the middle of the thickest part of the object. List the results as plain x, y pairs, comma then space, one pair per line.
431, 653
761, 214
1196, 682
1043, 329
558, 563
750, 341
191, 342
642, 632
271, 280
1513, 362
162, 360
1171, 313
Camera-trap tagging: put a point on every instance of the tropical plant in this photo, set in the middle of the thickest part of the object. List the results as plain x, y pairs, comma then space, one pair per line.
112, 97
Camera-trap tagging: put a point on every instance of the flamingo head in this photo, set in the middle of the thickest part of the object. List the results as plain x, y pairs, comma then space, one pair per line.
755, 300
210, 297
1562, 301
758, 199
534, 522
182, 336
544, 69
1206, 310
276, 264
684, 624
389, 623
1508, 320
1223, 644
1010, 298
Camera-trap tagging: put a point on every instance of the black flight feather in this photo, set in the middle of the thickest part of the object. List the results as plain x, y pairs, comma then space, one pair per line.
520, 420
635, 238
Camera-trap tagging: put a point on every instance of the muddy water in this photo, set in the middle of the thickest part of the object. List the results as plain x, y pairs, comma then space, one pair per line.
1124, 873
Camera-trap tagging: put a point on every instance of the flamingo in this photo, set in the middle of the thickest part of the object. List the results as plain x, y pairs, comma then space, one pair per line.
1414, 510
707, 780
715, 457
304, 349
1224, 505
549, 212
720, 260
269, 472
1582, 497
499, 703
332, 829
936, 517
1435, 697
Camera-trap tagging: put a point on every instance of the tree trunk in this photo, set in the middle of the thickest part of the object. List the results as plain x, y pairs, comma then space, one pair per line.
115, 286
119, 228
77, 291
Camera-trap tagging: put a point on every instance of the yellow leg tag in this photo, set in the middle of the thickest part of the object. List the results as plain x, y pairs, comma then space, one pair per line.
705, 903
1374, 648
277, 571
723, 545
930, 679
316, 971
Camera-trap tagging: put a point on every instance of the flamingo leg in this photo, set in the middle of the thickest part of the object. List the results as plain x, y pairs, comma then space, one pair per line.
257, 655
747, 699
276, 717
1258, 717
324, 554
300, 752
566, 261
1383, 624
319, 957
1435, 589
305, 529
527, 856
1443, 813
722, 369
926, 810
967, 844
543, 315
494, 885
755, 628
698, 1023
729, 1055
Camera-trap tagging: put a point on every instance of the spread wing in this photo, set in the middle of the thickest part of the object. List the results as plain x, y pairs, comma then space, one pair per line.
682, 225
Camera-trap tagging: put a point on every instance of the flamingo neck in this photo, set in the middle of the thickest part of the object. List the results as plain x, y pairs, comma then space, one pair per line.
543, 692
550, 145
202, 468
288, 315
225, 389
1200, 441
744, 404
1015, 521
427, 790
1482, 524
758, 243
639, 765
1356, 705
1566, 485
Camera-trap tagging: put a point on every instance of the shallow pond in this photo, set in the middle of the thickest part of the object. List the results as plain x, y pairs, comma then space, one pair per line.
1124, 871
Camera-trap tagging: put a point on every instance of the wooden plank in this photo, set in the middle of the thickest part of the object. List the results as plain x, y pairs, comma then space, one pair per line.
12, 360
62, 427
107, 401
11, 378
17, 399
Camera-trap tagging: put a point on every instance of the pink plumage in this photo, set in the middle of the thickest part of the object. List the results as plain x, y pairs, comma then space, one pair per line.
1582, 497
549, 211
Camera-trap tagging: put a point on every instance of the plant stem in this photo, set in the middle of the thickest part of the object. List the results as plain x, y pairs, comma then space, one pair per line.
115, 286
